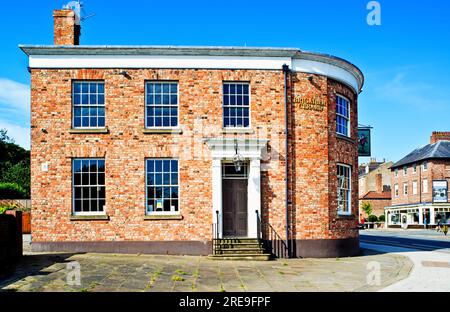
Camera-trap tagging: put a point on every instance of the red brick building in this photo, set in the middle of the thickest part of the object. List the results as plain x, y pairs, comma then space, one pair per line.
159, 149
420, 185
375, 186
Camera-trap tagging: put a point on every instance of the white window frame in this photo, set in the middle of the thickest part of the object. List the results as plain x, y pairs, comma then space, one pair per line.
247, 83
87, 213
425, 166
88, 106
147, 105
396, 172
405, 188
396, 190
415, 168
162, 213
405, 170
348, 118
349, 190
425, 186
414, 187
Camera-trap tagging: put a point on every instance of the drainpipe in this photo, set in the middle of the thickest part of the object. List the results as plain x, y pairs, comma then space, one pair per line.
286, 112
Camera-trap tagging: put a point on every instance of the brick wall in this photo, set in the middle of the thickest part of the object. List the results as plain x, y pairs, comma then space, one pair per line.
126, 146
315, 151
437, 170
377, 206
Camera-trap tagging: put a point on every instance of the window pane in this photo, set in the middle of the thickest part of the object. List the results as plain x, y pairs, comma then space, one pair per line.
166, 179
175, 205
174, 179
101, 178
166, 165
76, 87
174, 165
150, 165
174, 192
158, 179
158, 165
167, 205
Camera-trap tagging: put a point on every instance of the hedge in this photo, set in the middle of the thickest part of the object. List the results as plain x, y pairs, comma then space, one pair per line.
12, 191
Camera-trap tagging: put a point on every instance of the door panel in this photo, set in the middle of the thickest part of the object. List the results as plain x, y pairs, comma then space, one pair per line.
234, 207
228, 208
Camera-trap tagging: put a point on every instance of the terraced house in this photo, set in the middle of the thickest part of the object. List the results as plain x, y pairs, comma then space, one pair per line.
165, 150
420, 185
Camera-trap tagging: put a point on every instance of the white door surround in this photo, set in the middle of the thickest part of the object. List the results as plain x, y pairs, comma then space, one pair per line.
223, 149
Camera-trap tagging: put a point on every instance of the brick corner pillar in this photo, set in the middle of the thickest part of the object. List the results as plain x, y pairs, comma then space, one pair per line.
67, 28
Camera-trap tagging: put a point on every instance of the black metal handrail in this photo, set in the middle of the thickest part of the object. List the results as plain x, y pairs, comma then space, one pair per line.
277, 246
215, 234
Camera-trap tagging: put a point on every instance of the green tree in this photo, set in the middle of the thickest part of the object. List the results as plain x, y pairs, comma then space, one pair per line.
14, 163
367, 208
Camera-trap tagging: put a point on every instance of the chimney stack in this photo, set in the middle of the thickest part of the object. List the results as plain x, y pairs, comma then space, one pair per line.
439, 136
379, 183
67, 28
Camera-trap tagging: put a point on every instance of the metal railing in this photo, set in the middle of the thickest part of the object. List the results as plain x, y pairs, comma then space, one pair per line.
276, 245
215, 235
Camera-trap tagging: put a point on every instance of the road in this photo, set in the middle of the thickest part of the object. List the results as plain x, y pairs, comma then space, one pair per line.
429, 251
421, 240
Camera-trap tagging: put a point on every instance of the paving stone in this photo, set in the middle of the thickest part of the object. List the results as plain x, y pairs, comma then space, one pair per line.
107, 272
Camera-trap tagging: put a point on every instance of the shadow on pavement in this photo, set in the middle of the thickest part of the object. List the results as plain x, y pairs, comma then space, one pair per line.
31, 265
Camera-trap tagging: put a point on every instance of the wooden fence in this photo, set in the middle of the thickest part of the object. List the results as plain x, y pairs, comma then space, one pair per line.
23, 205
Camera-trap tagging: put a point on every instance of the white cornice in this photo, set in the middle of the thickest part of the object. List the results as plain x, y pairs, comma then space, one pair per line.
194, 58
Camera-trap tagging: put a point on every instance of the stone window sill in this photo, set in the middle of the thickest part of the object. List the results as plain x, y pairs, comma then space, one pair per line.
162, 131
89, 131
238, 130
345, 216
343, 137
88, 218
163, 217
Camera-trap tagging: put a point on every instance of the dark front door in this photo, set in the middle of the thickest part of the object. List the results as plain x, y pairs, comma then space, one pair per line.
234, 207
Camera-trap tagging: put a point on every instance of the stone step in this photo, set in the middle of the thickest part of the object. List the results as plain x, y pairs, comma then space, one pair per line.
241, 251
238, 240
239, 245
241, 257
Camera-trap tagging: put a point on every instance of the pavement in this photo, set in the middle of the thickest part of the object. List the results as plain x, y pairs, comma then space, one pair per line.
428, 250
91, 272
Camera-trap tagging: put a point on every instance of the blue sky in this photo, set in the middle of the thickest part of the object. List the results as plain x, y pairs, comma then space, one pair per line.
406, 60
